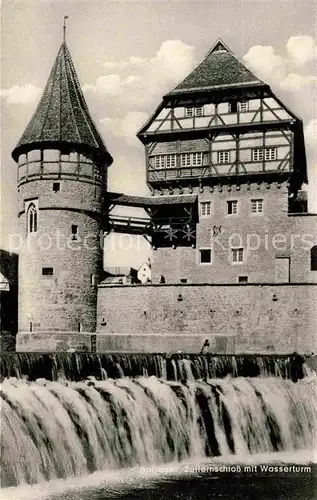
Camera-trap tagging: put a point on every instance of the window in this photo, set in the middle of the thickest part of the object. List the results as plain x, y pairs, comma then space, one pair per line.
223, 157
74, 231
205, 256
233, 106
237, 255
313, 258
32, 218
257, 206
194, 111
243, 106
191, 159
205, 208
242, 279
165, 161
56, 187
232, 207
47, 271
258, 154
270, 153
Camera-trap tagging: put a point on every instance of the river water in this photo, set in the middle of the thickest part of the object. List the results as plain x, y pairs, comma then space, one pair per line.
149, 437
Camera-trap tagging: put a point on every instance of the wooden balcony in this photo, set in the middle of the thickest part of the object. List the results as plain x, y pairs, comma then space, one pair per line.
170, 231
129, 225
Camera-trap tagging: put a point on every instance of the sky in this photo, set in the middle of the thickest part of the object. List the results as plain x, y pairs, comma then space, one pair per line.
127, 55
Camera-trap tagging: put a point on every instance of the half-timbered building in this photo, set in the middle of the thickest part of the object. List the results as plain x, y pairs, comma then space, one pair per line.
225, 144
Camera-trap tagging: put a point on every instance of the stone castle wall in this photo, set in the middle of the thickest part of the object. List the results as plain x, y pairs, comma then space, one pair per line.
266, 238
235, 318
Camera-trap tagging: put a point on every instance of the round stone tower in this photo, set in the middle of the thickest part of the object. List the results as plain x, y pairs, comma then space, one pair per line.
62, 180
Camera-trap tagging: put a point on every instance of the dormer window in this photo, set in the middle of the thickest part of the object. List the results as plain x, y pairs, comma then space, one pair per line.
191, 111
32, 218
243, 106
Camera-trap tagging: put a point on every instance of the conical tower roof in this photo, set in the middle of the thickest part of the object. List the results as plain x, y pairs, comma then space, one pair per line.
219, 69
62, 118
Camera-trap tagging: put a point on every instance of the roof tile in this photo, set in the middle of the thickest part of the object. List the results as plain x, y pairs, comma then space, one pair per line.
220, 68
62, 116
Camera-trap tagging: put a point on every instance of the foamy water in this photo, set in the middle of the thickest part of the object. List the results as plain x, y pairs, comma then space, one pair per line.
113, 483
65, 429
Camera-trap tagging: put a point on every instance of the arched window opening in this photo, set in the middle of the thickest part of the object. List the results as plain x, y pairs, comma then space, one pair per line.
313, 258
32, 219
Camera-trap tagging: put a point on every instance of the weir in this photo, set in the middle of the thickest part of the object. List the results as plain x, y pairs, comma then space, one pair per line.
178, 367
65, 429
80, 413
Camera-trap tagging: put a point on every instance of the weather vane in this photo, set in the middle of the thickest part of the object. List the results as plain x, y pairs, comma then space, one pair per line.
64, 29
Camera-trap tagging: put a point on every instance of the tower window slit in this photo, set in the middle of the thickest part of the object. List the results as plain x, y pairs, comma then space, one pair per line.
32, 219
74, 231
47, 271
313, 258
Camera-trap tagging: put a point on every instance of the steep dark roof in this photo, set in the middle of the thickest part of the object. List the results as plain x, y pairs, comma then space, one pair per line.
220, 68
62, 116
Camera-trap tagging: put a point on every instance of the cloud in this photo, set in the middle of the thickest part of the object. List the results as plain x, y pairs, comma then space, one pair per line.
293, 81
21, 94
133, 79
276, 70
106, 85
142, 81
132, 61
266, 63
127, 126
175, 58
301, 49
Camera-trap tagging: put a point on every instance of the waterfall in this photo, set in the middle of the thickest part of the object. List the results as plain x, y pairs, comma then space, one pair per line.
79, 366
61, 428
